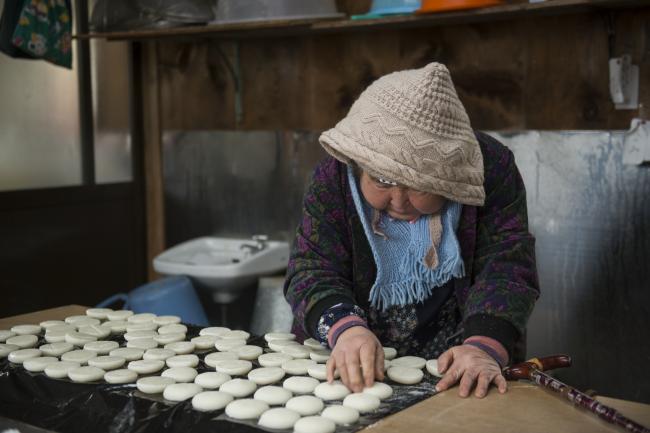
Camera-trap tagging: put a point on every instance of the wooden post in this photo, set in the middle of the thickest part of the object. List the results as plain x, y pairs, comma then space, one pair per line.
152, 135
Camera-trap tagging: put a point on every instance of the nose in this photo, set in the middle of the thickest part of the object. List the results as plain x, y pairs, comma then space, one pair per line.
399, 198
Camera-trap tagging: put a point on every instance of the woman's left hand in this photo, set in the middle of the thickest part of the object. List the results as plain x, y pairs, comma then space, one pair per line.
471, 366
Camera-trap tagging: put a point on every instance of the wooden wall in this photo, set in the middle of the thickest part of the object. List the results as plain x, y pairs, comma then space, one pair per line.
532, 73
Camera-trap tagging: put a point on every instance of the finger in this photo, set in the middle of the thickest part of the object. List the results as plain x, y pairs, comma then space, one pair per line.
367, 354
445, 360
501, 383
353, 367
343, 372
482, 385
467, 383
330, 366
448, 380
379, 363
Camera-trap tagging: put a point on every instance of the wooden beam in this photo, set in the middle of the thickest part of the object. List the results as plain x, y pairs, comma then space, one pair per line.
154, 197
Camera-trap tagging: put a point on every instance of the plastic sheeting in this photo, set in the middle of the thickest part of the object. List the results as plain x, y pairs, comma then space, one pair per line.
62, 405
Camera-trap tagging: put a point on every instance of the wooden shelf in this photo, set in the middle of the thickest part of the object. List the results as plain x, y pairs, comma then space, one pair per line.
279, 28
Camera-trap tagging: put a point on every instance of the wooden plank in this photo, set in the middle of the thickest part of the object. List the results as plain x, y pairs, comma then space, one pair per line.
151, 119
57, 313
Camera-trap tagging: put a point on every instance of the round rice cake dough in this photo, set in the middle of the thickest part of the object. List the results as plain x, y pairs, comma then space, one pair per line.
235, 335
48, 324
141, 318
86, 374
55, 336
174, 337
389, 353
305, 405
181, 374
115, 326
247, 352
273, 395
246, 408
39, 364
5, 334
314, 424
141, 326
107, 363
26, 329
204, 341
119, 315
56, 349
6, 349
207, 401
212, 359
405, 375
98, 331
62, 327
237, 367
278, 418
23, 341
153, 384
320, 355
300, 384
21, 355
182, 361
121, 376
81, 356
101, 347
298, 352
89, 321
238, 388
266, 375
80, 318
166, 320
146, 366
341, 415
274, 336
79, 338
59, 370
142, 343
364, 403
408, 361
228, 345
181, 347
211, 379
181, 391
174, 328
432, 368
216, 331
313, 344
98, 313
297, 367
128, 353
331, 391
277, 345
319, 371
380, 390
273, 359
159, 354
136, 335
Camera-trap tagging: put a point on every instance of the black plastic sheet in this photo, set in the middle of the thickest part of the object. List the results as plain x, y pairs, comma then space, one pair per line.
65, 406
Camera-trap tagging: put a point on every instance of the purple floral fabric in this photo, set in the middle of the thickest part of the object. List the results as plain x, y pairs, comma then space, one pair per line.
331, 261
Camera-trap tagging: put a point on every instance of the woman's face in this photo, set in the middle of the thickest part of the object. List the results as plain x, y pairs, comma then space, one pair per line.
398, 201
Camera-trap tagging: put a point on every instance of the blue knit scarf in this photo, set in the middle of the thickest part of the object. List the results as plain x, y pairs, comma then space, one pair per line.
402, 275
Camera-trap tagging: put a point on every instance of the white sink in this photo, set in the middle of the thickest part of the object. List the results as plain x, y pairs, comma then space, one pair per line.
224, 266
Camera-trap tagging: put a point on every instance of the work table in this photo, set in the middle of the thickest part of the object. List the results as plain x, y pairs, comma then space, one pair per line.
524, 408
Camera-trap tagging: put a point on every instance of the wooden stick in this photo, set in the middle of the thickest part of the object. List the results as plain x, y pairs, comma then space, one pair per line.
534, 370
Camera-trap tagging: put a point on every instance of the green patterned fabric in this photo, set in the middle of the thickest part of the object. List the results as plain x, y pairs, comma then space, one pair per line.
44, 31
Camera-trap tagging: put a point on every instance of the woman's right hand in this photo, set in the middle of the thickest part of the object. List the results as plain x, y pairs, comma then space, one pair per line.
359, 358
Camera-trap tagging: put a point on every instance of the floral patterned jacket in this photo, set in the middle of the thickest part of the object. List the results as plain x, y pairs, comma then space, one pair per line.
331, 261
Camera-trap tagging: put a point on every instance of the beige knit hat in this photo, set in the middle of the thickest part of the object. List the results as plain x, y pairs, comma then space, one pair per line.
410, 127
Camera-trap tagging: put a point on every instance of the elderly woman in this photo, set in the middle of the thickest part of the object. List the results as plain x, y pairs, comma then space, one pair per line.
414, 236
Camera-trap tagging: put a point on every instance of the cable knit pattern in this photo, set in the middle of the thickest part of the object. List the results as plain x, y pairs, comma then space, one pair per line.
410, 127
